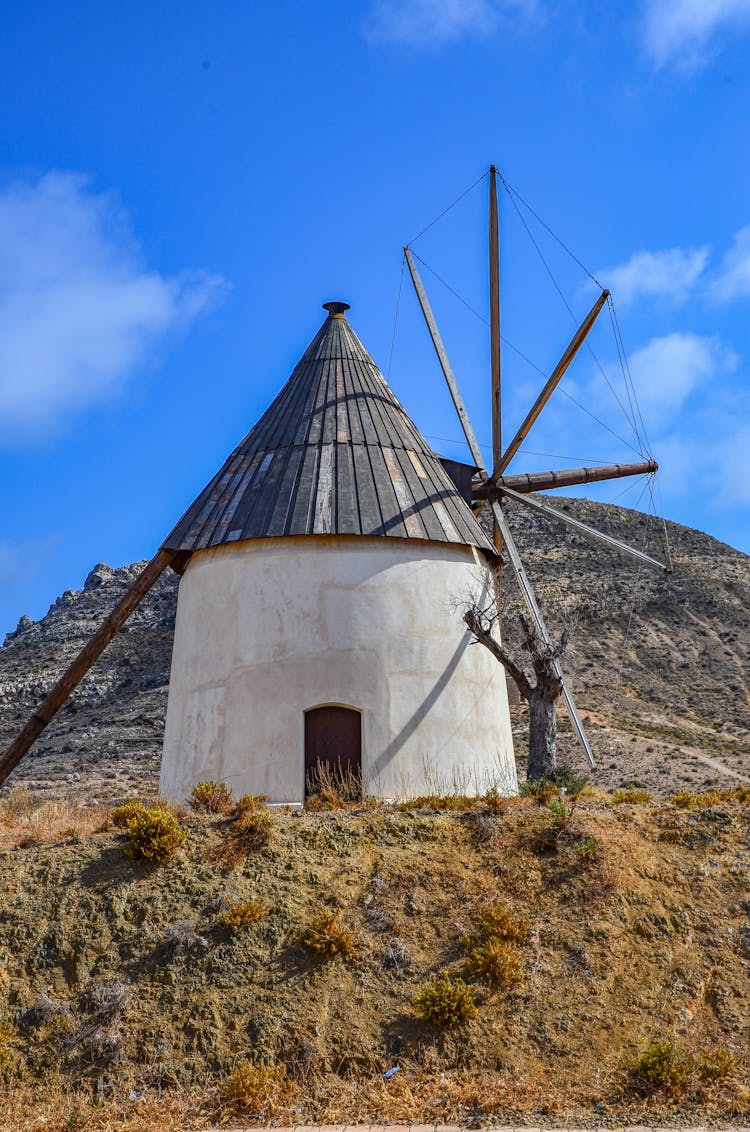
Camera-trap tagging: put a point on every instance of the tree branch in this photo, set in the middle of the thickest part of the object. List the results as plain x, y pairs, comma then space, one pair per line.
483, 636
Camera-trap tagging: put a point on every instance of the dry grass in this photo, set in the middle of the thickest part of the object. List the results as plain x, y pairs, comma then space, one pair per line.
26, 820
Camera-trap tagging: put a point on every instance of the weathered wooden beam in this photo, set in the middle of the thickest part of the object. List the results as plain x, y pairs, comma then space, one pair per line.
72, 677
586, 530
495, 368
568, 477
531, 604
553, 381
494, 233
437, 342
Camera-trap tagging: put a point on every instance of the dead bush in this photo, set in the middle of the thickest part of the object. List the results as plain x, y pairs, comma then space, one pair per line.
327, 937
255, 1089
238, 916
211, 797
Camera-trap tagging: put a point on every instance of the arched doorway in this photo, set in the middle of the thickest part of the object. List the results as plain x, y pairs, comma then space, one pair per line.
333, 750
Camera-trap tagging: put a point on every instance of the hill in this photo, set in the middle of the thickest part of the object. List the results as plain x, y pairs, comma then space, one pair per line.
274, 967
659, 666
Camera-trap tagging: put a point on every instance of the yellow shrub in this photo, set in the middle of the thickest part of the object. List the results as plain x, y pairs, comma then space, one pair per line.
630, 796
446, 1001
154, 836
122, 815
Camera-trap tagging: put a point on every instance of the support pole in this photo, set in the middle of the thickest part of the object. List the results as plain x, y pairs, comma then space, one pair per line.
72, 677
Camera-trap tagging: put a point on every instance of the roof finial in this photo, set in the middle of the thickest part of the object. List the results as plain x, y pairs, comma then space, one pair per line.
336, 310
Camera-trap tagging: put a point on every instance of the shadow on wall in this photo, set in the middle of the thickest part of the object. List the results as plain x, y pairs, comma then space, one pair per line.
423, 709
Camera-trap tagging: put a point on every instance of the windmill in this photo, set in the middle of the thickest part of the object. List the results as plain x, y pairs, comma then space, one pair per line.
312, 566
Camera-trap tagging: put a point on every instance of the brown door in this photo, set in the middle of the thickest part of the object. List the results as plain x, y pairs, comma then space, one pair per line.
333, 750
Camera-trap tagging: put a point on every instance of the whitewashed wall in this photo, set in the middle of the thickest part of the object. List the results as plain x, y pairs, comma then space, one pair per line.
268, 628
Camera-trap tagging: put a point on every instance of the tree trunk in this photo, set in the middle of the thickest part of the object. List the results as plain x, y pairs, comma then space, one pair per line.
542, 761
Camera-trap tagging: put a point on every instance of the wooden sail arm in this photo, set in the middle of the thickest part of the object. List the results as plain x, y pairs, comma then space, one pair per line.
437, 342
553, 381
586, 530
72, 677
568, 477
510, 546
531, 604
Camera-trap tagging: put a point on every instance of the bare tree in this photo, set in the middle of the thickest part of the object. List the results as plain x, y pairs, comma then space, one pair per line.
540, 684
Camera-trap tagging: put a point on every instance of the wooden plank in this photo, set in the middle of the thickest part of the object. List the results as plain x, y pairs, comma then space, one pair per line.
567, 477
75, 672
585, 530
552, 383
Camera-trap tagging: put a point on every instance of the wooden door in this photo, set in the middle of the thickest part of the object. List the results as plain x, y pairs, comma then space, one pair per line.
333, 749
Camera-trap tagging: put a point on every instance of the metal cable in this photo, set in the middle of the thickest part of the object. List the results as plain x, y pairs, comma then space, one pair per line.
395, 317
450, 206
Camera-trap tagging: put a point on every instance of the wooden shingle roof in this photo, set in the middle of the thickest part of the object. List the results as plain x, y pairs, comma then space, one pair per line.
335, 453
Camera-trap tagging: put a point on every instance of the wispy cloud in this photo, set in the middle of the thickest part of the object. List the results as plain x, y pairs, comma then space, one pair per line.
432, 23
671, 274
684, 33
667, 370
732, 280
79, 310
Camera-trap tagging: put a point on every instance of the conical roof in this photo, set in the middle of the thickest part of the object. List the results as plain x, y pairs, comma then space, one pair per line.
335, 453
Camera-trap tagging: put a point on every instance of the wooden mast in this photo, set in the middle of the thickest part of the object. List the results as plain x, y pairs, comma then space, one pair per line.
497, 423
72, 677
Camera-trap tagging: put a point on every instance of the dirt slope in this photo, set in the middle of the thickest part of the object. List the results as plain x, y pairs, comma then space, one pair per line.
118, 983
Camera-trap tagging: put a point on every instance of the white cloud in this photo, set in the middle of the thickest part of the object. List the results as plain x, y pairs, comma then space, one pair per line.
668, 369
432, 23
79, 311
732, 280
671, 274
683, 32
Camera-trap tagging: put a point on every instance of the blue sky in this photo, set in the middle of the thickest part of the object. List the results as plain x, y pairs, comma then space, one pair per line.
182, 186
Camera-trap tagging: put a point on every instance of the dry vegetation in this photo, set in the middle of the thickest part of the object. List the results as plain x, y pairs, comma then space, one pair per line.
543, 959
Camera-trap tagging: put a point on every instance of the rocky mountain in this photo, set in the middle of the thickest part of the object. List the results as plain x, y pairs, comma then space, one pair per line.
660, 665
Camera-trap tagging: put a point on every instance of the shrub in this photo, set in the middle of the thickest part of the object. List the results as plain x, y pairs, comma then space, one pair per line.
495, 802
542, 791
631, 795
122, 815
211, 798
499, 922
154, 836
437, 802
255, 1089
326, 936
242, 915
496, 961
251, 829
446, 1001
571, 781
588, 849
661, 1066
717, 1065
